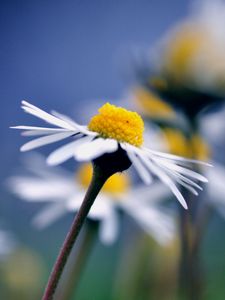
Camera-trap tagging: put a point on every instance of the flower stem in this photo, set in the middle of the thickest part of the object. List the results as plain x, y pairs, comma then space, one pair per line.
98, 179
77, 261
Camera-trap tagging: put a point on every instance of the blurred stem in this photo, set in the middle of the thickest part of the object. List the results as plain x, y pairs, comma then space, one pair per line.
190, 269
98, 179
71, 279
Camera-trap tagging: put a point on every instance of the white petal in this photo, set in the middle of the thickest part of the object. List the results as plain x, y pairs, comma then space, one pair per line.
67, 151
187, 186
181, 170
154, 221
184, 179
101, 208
176, 158
40, 189
167, 180
49, 215
75, 201
45, 140
142, 171
44, 131
81, 128
156, 193
109, 228
95, 148
33, 110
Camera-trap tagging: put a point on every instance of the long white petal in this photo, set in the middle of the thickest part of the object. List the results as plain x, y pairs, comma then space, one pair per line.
81, 128
156, 193
45, 140
67, 151
95, 148
34, 128
176, 158
167, 180
155, 221
181, 170
109, 228
35, 111
190, 182
40, 189
142, 171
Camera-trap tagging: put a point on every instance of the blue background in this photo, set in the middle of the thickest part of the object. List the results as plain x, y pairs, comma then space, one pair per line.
59, 55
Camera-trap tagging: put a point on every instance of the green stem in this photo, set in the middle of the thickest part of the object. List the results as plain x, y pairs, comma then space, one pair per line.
98, 180
71, 280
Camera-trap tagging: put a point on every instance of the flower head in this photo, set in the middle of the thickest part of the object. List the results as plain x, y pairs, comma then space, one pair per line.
118, 123
114, 150
188, 68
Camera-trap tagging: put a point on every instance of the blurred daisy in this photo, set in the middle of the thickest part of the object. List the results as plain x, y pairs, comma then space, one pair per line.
64, 194
187, 67
115, 131
194, 50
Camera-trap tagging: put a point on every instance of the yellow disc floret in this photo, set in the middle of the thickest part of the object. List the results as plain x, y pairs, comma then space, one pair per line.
116, 184
181, 51
119, 124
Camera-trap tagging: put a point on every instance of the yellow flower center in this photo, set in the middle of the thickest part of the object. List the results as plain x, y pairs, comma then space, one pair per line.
178, 144
152, 106
116, 184
181, 51
119, 124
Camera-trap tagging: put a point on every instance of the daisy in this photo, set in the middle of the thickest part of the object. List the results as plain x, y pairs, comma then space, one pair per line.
62, 193
187, 66
114, 140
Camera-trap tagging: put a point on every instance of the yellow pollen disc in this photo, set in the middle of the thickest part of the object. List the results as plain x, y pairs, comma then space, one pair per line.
116, 184
152, 106
181, 50
119, 124
178, 144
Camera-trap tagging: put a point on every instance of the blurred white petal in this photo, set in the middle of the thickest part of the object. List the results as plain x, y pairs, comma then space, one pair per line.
67, 151
95, 148
45, 140
109, 228
49, 215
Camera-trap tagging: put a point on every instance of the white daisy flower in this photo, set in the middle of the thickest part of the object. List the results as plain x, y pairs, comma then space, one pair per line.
64, 194
117, 131
194, 49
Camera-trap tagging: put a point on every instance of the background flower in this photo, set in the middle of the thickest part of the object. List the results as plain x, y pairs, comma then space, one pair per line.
64, 193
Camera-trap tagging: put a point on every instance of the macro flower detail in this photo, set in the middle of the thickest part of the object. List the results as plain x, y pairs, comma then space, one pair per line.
89, 145
62, 194
119, 124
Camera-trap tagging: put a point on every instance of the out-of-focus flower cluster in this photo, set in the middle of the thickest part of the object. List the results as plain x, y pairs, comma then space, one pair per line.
182, 79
